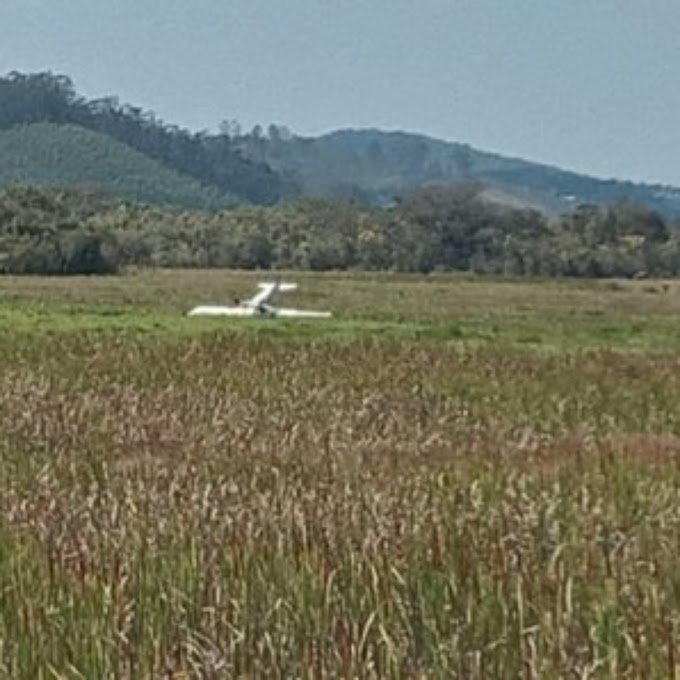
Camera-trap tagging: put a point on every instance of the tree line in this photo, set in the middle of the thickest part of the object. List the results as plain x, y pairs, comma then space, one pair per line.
68, 231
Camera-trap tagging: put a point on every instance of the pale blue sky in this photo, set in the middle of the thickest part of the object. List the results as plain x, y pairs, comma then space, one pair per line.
590, 85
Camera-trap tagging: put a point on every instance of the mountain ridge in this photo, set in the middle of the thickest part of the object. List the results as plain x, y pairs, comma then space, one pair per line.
376, 165
366, 165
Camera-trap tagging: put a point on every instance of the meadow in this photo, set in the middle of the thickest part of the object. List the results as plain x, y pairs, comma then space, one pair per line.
452, 478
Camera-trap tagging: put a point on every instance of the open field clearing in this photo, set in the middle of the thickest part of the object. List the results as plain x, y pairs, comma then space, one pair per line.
568, 313
452, 478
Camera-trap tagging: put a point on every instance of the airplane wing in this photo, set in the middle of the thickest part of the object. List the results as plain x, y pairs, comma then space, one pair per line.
301, 313
266, 291
215, 310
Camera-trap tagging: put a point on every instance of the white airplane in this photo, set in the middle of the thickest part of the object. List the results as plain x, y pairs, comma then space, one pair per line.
258, 305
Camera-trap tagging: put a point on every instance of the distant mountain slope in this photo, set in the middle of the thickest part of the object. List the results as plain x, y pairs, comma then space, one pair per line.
45, 154
377, 166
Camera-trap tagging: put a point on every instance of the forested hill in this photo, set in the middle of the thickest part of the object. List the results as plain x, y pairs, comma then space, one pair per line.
212, 161
375, 166
165, 163
45, 154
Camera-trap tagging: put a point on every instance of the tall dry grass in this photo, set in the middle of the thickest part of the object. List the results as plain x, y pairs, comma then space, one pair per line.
230, 506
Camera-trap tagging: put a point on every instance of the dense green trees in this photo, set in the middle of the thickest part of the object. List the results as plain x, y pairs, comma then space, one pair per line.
438, 228
47, 232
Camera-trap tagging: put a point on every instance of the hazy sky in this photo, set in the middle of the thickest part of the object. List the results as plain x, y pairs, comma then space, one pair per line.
590, 85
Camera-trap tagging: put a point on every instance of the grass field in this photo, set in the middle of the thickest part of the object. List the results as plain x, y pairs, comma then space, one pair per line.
451, 478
